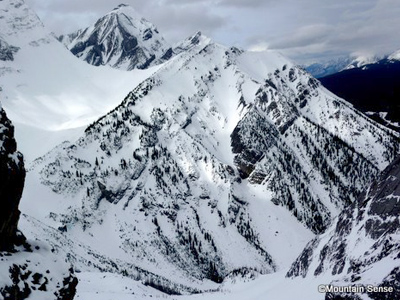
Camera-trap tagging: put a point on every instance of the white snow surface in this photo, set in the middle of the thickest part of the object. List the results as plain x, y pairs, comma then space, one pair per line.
109, 286
395, 55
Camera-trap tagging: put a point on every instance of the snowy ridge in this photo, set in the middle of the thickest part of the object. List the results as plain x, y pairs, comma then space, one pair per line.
121, 39
248, 154
362, 61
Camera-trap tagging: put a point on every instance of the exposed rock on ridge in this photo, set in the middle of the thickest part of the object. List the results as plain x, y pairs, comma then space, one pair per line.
7, 51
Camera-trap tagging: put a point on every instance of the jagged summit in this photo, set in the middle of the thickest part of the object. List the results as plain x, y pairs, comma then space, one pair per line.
123, 8
121, 39
190, 42
214, 154
130, 12
121, 5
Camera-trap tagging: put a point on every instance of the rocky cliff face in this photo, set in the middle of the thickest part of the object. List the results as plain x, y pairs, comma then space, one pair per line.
12, 177
363, 246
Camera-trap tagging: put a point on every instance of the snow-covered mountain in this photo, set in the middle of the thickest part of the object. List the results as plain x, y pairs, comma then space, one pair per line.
121, 39
247, 154
217, 164
362, 248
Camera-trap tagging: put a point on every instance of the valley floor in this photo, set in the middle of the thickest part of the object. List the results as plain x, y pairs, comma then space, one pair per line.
108, 286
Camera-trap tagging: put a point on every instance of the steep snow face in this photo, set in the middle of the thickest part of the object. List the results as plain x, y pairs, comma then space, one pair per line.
362, 246
121, 39
46, 90
219, 153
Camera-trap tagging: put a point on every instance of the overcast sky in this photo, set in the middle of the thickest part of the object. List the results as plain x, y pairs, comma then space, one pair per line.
304, 30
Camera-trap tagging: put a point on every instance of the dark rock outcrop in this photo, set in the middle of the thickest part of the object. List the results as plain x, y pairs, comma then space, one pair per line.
12, 177
7, 51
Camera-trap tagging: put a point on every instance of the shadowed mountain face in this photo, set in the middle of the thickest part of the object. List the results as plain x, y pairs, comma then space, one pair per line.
373, 89
363, 246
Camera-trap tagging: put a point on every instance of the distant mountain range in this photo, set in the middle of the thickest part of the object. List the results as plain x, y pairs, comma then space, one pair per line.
323, 69
372, 88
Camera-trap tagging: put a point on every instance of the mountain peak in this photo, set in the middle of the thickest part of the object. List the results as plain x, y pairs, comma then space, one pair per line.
121, 5
190, 42
127, 10
122, 39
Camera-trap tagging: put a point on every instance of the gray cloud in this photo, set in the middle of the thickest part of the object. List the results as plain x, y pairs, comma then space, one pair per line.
299, 29
246, 3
